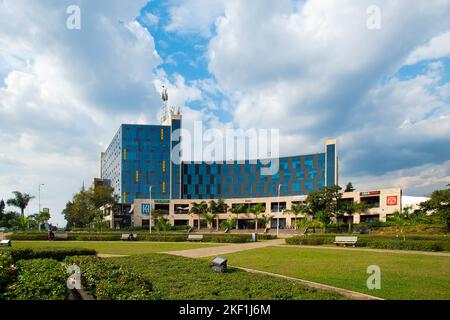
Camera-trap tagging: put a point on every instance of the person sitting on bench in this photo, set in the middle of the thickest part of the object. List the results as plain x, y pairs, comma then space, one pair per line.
131, 236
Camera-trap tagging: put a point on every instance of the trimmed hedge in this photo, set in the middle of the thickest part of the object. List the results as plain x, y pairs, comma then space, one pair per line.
377, 242
28, 236
109, 281
95, 237
38, 279
58, 254
7, 272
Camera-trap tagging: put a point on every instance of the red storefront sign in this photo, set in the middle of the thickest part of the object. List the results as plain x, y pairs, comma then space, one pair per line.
392, 200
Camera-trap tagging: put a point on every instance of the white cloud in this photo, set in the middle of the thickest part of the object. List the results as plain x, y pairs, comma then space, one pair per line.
438, 47
194, 16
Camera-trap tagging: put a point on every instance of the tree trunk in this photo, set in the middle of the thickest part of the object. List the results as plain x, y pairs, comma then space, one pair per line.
237, 222
256, 224
198, 223
217, 224
22, 211
350, 218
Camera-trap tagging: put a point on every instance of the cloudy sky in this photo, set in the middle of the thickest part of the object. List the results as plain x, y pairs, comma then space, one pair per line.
311, 68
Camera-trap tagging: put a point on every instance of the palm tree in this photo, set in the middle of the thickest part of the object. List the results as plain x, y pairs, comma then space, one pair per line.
200, 209
22, 222
42, 218
351, 208
237, 210
400, 221
297, 209
216, 208
256, 210
303, 225
265, 220
227, 225
20, 200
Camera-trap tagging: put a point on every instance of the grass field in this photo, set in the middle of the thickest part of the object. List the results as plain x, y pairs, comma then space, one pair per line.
179, 278
116, 247
403, 276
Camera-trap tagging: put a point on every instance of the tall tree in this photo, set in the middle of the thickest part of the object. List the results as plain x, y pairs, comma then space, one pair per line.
217, 208
199, 209
20, 200
42, 218
237, 210
349, 187
2, 209
439, 206
351, 208
256, 210
298, 209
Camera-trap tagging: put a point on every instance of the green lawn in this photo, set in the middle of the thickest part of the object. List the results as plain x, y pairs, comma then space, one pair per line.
116, 247
403, 276
179, 278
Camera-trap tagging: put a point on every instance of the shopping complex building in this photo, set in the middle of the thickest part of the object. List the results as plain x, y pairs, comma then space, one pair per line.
139, 164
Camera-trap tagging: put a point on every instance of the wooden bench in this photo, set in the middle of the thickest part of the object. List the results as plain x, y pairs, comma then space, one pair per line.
346, 240
125, 236
195, 237
61, 236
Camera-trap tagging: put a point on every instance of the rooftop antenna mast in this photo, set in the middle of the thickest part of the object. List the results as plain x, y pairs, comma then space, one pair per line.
165, 99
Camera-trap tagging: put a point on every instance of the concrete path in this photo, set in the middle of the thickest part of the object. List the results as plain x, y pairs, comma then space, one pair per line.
426, 253
347, 293
231, 248
107, 255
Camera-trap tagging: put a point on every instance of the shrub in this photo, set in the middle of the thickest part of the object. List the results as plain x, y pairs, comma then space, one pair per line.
227, 238
163, 237
109, 281
96, 237
32, 236
38, 279
58, 254
7, 272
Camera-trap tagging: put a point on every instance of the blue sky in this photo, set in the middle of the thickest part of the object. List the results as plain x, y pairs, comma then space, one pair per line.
311, 69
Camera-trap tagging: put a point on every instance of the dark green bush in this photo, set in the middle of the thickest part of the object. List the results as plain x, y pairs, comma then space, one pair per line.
38, 279
7, 272
32, 236
163, 237
96, 237
109, 281
227, 238
378, 242
58, 254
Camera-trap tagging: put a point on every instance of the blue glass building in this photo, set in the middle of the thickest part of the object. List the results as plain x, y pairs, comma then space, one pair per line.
140, 156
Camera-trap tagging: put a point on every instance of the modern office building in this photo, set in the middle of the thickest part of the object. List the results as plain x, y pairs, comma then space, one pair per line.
140, 160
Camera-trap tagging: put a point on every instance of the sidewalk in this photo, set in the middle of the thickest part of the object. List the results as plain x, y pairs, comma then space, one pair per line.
231, 248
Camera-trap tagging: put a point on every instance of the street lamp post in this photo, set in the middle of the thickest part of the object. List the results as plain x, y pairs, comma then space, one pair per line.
150, 213
39, 191
278, 218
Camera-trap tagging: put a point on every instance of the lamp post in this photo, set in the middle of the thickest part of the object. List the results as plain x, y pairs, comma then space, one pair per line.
150, 213
39, 192
278, 218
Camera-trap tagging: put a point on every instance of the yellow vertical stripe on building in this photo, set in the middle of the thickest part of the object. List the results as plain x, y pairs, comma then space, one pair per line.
124, 197
162, 134
124, 154
164, 187
164, 166
137, 176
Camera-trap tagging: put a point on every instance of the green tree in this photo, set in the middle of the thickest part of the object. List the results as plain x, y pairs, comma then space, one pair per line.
199, 209
20, 200
351, 208
42, 218
349, 187
439, 206
22, 222
298, 209
227, 225
264, 220
400, 220
237, 210
217, 208
2, 210
256, 210
83, 209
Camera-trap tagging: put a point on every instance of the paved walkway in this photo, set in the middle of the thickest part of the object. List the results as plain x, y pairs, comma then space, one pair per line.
231, 248
426, 253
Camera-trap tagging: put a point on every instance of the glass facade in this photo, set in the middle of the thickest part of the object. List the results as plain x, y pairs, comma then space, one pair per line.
141, 156
298, 175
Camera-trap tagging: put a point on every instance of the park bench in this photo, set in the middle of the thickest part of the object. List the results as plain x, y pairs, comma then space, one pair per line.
126, 235
195, 237
346, 240
61, 236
